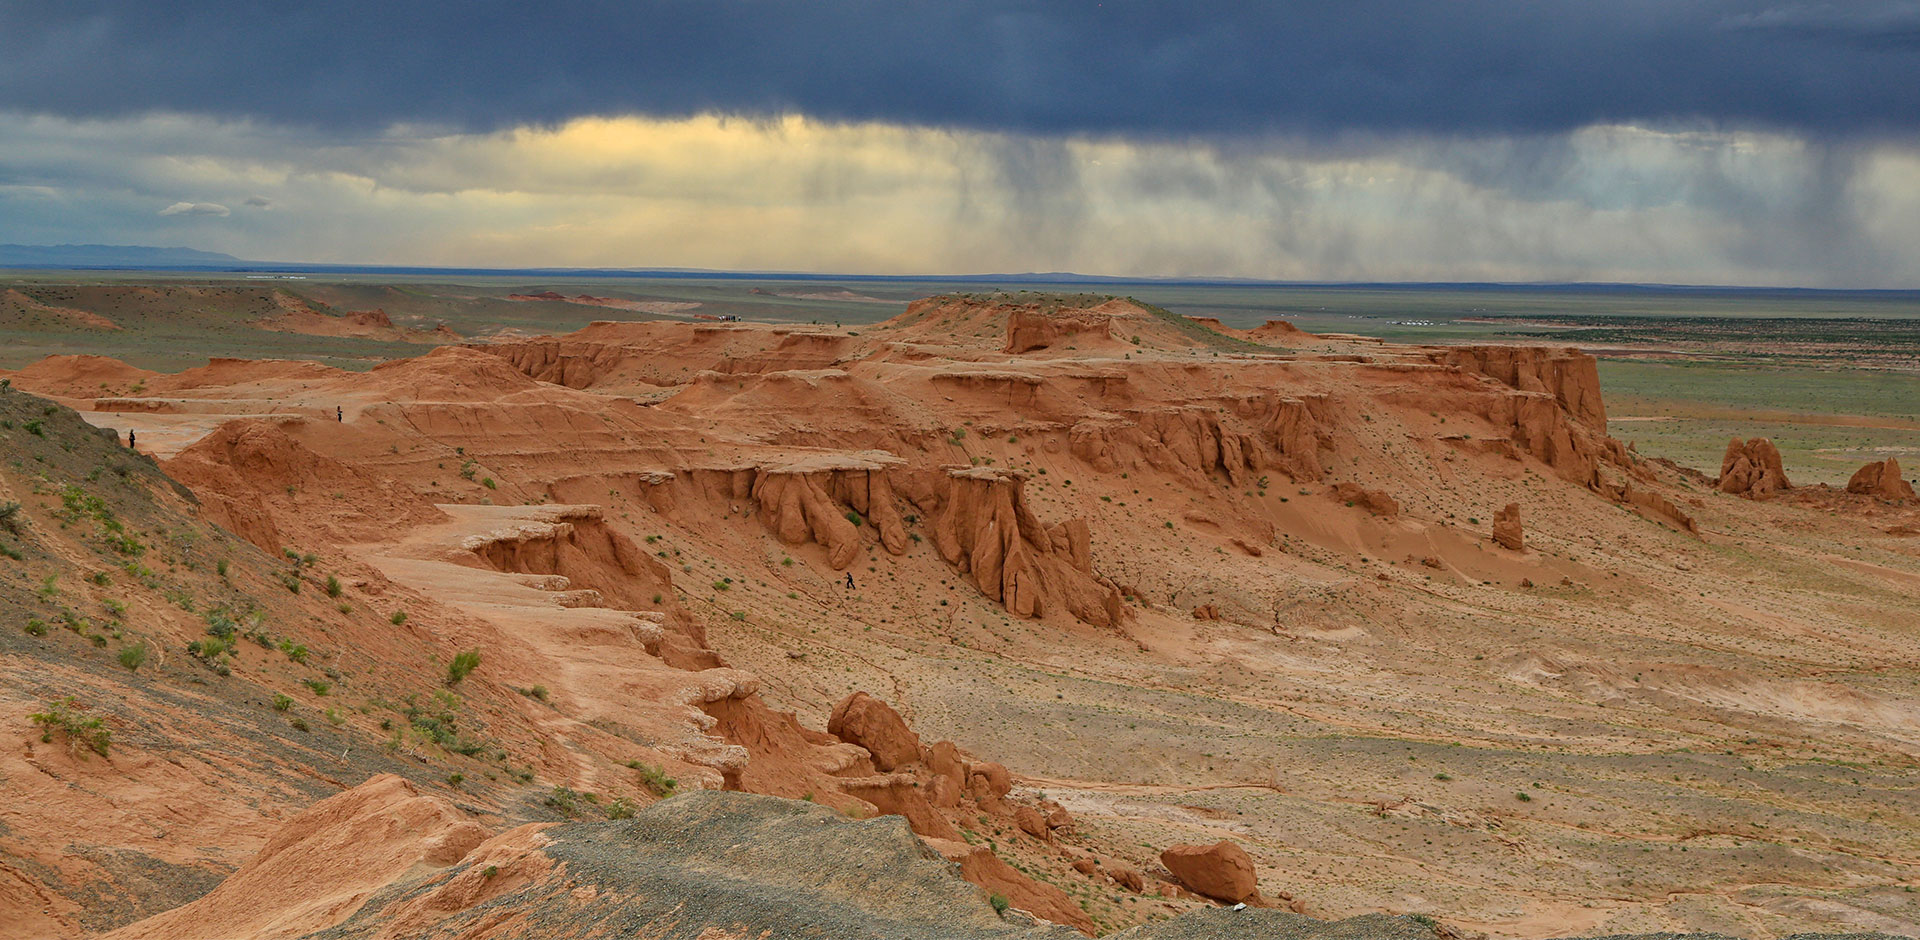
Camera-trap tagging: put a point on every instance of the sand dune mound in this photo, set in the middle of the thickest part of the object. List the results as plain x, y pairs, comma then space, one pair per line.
221, 372
81, 376
449, 373
263, 485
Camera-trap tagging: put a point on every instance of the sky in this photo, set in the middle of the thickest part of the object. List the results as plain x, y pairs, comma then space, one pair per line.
1751, 142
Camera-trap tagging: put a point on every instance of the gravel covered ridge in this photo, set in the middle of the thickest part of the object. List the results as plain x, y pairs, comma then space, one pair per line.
710, 864
716, 865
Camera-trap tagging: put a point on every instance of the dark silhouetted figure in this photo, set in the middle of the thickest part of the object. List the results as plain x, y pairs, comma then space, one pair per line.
849, 580
339, 415
130, 439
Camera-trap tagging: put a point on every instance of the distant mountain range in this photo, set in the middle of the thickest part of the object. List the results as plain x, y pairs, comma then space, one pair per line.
147, 257
107, 256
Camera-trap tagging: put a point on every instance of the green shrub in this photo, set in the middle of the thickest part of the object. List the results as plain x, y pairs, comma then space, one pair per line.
212, 648
10, 517
1000, 904
399, 617
654, 778
298, 723
282, 701
563, 800
487, 482
464, 662
133, 656
319, 686
221, 567
854, 518
294, 651
82, 734
621, 808
36, 627
538, 691
333, 586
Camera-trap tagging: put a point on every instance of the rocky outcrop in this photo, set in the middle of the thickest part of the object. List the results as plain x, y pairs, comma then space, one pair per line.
1657, 504
323, 864
1882, 479
1029, 329
982, 867
569, 363
1222, 871
811, 501
1373, 501
1506, 528
1242, 441
873, 724
1752, 468
982, 525
1569, 375
575, 543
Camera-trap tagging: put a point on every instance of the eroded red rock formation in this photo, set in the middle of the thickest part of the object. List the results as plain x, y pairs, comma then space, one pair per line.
1506, 528
983, 526
1752, 468
1882, 479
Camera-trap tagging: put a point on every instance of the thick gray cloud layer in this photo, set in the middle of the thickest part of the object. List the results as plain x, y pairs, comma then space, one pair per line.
1167, 69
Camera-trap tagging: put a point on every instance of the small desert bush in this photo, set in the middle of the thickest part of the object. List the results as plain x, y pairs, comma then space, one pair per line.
654, 778
82, 733
134, 656
464, 663
563, 800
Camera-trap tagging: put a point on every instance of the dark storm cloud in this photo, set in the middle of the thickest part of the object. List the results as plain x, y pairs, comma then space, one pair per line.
1171, 69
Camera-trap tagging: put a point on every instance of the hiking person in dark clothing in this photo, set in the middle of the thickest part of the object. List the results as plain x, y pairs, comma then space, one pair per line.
339, 415
130, 439
849, 580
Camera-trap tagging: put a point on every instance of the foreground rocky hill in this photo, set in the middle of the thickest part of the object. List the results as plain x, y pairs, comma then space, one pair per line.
1061, 582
